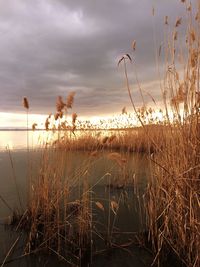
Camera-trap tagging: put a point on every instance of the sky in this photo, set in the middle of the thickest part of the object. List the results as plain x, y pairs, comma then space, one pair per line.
52, 47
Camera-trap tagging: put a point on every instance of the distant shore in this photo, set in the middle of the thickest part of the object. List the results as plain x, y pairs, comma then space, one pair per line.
91, 129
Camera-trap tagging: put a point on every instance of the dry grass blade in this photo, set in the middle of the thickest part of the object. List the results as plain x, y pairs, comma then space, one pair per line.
123, 58
10, 251
6, 203
114, 206
14, 176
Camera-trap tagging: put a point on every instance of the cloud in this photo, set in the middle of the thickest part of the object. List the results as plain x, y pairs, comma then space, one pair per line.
52, 47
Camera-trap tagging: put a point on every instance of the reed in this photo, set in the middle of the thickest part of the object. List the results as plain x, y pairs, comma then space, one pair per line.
172, 198
60, 215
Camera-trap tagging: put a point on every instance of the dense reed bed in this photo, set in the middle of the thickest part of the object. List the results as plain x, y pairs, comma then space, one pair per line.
65, 226
64, 215
57, 218
73, 210
172, 198
131, 140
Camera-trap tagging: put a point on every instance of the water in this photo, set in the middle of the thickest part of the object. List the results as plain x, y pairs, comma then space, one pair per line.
16, 140
127, 220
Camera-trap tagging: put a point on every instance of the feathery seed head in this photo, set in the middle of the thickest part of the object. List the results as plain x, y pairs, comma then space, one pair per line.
105, 139
34, 126
166, 20
134, 45
70, 99
175, 35
178, 22
25, 103
74, 117
60, 104
124, 110
47, 124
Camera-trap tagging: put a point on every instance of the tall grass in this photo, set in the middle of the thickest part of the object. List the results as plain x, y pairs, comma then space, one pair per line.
59, 215
172, 199
173, 196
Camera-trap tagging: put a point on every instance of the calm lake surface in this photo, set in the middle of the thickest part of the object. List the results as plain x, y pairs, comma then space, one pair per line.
13, 164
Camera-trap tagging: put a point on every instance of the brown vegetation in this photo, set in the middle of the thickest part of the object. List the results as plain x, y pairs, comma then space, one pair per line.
53, 221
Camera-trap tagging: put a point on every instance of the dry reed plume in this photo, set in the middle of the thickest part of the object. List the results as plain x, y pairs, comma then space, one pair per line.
56, 223
25, 103
70, 100
172, 198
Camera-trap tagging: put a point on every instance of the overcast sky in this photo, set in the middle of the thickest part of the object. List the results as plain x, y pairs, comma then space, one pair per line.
51, 47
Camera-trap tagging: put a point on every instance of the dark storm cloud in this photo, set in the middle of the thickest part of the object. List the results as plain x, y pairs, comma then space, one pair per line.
51, 47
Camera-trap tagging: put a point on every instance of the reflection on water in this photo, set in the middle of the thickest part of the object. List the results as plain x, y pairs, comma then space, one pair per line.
18, 139
127, 219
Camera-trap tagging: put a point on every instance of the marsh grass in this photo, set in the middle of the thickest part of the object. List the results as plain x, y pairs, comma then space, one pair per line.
123, 140
60, 213
172, 198
53, 221
62, 216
